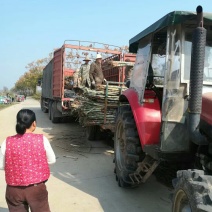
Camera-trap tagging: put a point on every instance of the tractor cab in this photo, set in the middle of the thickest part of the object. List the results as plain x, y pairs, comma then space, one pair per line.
165, 115
163, 65
159, 114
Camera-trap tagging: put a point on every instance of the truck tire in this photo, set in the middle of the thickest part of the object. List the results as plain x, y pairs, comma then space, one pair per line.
193, 191
50, 109
127, 147
91, 132
43, 108
53, 118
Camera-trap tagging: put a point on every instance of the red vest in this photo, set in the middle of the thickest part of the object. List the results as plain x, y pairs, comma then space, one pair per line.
25, 160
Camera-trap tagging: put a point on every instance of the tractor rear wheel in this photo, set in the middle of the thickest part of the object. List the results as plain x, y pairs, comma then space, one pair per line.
192, 191
127, 147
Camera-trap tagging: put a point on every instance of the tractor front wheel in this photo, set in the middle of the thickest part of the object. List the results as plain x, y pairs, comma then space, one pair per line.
127, 147
192, 191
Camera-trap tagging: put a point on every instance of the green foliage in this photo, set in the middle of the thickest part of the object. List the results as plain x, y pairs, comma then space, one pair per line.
36, 96
35, 71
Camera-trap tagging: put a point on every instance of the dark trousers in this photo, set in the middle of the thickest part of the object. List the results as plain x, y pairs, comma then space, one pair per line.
21, 198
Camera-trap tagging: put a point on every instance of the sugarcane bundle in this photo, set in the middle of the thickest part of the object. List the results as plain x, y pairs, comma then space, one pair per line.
121, 63
96, 116
103, 91
98, 107
111, 64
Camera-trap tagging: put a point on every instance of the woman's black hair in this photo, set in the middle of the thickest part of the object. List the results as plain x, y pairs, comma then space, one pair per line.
25, 118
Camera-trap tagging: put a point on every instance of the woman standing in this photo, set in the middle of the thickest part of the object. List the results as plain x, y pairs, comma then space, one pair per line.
25, 159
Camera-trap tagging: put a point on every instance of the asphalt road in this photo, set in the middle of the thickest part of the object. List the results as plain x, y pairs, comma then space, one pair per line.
82, 178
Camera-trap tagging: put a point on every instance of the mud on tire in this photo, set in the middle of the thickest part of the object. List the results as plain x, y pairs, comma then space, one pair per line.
192, 191
127, 147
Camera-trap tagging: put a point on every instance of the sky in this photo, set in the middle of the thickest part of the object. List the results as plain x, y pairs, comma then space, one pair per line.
31, 29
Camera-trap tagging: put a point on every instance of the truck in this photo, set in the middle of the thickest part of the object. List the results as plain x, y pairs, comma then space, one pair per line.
56, 94
165, 115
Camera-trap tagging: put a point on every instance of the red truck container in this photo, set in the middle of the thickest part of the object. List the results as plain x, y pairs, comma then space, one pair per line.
56, 95
117, 74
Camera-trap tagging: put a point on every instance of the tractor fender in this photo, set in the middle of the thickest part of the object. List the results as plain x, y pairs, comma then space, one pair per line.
206, 114
147, 116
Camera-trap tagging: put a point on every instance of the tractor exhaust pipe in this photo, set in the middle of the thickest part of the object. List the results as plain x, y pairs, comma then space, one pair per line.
196, 80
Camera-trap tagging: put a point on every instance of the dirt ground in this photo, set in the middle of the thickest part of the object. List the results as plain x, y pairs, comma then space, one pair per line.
82, 178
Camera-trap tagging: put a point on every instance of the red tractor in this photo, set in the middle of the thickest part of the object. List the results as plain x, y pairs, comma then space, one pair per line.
165, 115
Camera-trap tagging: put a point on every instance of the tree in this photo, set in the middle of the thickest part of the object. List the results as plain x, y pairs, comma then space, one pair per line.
30, 78
5, 89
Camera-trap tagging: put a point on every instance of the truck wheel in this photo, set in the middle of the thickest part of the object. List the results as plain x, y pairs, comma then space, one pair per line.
193, 191
43, 108
127, 147
50, 110
53, 118
41, 104
91, 132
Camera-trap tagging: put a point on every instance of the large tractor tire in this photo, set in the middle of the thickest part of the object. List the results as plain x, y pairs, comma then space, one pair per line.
193, 191
127, 147
91, 132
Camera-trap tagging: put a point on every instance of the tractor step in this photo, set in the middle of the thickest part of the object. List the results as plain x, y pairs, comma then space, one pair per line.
144, 170
136, 178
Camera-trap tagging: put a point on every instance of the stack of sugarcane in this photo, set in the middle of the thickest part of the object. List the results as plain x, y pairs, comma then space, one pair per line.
112, 64
121, 63
98, 107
